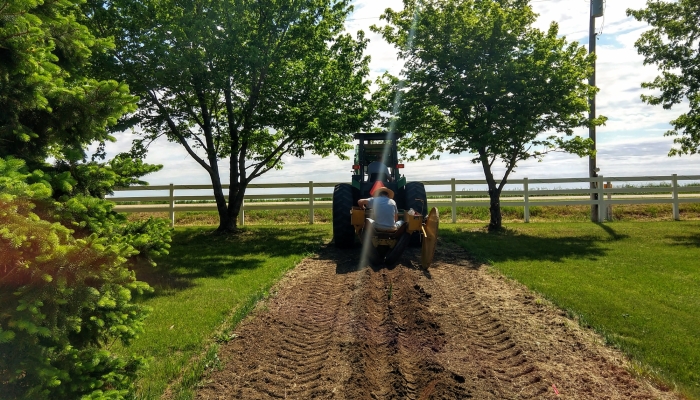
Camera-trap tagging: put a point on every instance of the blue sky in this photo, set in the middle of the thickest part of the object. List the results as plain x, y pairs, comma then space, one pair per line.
631, 143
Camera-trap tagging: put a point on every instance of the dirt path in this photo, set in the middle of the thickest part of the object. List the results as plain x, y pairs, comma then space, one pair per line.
332, 331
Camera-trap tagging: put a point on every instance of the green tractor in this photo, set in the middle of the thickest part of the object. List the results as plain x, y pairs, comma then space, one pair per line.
376, 159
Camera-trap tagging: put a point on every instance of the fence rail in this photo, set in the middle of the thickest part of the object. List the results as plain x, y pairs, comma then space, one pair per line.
601, 195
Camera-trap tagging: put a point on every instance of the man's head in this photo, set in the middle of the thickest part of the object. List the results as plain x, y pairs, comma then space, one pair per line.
384, 191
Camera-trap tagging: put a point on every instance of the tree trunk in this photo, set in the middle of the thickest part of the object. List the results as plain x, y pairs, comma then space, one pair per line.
228, 219
235, 203
495, 223
225, 225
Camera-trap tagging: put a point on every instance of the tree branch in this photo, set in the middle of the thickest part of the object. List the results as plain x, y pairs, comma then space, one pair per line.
276, 154
175, 131
190, 110
241, 161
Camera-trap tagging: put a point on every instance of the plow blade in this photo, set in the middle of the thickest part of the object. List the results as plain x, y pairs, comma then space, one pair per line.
430, 232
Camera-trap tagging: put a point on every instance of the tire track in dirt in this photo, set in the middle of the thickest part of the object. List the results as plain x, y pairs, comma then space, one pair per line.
332, 330
518, 348
397, 339
290, 360
498, 357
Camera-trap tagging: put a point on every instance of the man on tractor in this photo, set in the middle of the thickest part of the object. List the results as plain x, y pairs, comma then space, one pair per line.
384, 214
378, 171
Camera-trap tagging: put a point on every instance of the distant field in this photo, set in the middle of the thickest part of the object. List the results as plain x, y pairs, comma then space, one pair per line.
631, 212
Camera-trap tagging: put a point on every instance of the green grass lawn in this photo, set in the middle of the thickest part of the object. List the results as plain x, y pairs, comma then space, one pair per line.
637, 283
204, 287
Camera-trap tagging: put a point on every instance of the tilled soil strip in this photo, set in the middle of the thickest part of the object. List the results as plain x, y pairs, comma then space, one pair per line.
336, 331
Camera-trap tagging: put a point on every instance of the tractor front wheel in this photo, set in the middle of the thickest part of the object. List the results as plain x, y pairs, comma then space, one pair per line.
343, 231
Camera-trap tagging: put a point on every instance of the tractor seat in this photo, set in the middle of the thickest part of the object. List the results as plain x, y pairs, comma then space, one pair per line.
387, 230
382, 231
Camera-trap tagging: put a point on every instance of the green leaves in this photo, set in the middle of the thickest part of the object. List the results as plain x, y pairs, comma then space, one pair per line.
672, 44
65, 289
479, 79
249, 80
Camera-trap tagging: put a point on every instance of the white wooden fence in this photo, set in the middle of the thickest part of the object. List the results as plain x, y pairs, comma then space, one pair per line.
517, 192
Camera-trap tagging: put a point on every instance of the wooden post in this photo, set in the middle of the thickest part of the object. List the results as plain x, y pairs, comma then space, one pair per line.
454, 201
311, 202
601, 199
526, 212
172, 205
676, 211
609, 209
596, 10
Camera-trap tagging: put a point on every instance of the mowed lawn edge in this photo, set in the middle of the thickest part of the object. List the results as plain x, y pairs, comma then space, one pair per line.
636, 283
202, 289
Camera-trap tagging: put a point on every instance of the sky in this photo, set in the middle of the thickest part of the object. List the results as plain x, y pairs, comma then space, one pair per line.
630, 144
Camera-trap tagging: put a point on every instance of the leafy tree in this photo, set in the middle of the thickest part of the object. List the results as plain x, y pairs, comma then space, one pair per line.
479, 79
247, 80
672, 44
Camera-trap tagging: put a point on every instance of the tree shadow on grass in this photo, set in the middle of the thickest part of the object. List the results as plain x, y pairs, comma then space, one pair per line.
197, 253
610, 231
510, 245
685, 241
484, 246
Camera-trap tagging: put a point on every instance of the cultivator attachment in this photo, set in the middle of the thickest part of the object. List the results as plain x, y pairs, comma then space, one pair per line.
430, 233
389, 245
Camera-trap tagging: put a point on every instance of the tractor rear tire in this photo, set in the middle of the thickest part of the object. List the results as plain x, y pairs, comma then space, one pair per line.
415, 192
343, 231
400, 198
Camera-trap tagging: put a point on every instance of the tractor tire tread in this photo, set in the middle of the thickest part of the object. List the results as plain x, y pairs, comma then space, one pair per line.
343, 200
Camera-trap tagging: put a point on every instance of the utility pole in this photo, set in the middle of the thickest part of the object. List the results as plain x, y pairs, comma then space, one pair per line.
596, 11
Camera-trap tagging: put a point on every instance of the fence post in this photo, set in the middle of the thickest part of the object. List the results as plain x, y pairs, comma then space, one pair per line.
172, 205
676, 211
454, 201
601, 199
526, 212
311, 202
609, 208
241, 214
